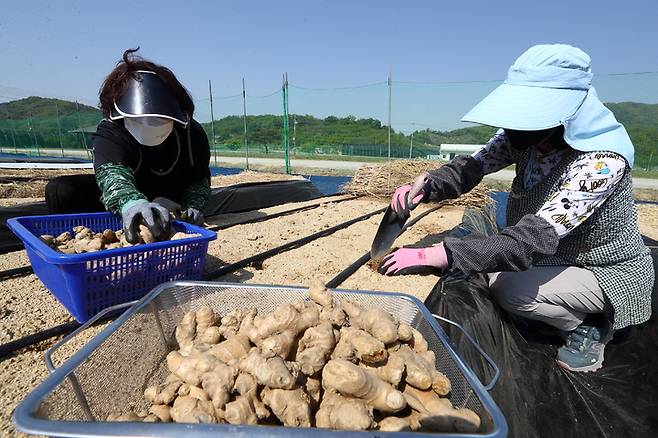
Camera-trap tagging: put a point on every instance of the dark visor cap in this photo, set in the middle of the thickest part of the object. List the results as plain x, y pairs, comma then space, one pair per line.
147, 96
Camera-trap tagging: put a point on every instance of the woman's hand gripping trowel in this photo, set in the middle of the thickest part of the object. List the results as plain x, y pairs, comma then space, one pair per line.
405, 199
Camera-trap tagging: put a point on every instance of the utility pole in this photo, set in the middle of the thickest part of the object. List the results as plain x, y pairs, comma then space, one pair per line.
212, 123
389, 112
59, 129
286, 145
244, 122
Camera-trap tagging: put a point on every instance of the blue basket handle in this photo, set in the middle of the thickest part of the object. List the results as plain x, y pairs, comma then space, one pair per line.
83, 327
486, 357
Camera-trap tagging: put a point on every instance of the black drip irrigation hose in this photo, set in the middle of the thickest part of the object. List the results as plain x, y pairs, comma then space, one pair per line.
11, 247
26, 341
25, 270
351, 269
15, 272
283, 213
287, 247
58, 330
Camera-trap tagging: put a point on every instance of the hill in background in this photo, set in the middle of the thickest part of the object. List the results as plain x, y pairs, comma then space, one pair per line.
41, 107
37, 120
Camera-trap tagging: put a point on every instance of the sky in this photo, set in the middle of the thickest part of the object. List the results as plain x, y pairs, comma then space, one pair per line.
444, 55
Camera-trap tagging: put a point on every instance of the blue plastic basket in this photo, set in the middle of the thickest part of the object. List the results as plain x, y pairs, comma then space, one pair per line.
89, 282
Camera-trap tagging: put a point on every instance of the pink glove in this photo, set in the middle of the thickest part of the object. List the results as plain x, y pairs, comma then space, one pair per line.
416, 192
415, 261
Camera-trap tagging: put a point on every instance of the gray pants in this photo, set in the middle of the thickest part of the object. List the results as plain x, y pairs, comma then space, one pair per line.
558, 295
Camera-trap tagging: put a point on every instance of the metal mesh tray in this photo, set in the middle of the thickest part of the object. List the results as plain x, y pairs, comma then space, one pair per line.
109, 374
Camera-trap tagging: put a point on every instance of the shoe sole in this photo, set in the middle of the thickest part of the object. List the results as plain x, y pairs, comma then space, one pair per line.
590, 368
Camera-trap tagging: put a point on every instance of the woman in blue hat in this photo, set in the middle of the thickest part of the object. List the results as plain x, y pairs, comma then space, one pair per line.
150, 156
572, 247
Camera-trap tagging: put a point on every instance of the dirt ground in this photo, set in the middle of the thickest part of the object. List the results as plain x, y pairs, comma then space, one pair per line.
26, 306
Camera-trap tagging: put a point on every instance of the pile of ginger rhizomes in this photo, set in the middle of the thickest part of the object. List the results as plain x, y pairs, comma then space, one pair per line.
84, 239
317, 363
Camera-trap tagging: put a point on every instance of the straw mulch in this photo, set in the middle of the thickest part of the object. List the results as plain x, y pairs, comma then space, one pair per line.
30, 189
381, 180
30, 183
41, 173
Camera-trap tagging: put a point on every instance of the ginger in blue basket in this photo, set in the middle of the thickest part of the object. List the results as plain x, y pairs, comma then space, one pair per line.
84, 239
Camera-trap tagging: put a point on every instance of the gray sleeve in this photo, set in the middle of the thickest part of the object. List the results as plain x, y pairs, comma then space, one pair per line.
455, 178
516, 248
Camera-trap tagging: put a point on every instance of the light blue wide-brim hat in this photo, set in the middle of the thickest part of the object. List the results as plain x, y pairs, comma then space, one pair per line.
548, 86
544, 86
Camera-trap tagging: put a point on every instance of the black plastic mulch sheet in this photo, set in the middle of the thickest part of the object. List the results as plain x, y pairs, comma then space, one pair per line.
230, 199
12, 158
253, 196
8, 241
538, 398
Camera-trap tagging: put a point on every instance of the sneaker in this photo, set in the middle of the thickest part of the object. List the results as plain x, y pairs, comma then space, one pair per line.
584, 347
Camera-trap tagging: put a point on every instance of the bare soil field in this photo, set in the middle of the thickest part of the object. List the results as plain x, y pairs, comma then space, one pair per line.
26, 306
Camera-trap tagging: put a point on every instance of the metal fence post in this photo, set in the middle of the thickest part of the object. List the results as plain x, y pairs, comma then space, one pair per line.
244, 122
411, 145
285, 123
212, 123
389, 112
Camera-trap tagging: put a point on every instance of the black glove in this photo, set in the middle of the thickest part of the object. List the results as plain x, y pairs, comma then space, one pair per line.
192, 215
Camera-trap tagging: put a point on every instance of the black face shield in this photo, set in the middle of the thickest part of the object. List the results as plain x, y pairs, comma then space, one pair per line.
147, 95
521, 140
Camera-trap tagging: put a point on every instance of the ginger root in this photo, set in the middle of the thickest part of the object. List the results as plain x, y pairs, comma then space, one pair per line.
323, 298
246, 408
324, 363
270, 371
351, 380
377, 322
438, 414
163, 394
358, 345
162, 412
315, 347
231, 350
338, 412
188, 409
319, 294
394, 424
291, 407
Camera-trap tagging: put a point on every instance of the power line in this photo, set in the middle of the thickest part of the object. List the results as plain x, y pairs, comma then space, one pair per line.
353, 87
486, 81
18, 93
254, 96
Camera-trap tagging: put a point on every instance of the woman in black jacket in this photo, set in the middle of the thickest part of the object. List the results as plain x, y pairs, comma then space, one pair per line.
150, 156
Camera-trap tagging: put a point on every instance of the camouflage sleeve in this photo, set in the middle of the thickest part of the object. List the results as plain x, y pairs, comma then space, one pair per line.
197, 195
118, 186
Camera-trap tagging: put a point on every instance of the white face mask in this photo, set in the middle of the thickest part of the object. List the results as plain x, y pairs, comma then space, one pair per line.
149, 131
